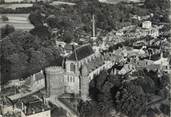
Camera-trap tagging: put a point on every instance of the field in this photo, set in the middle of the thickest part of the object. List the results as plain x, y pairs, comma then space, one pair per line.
19, 21
14, 6
117, 1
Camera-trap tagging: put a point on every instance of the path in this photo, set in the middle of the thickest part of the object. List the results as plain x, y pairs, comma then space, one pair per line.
57, 102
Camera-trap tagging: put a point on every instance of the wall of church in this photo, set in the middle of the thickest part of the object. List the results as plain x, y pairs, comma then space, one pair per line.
84, 87
71, 67
71, 83
107, 65
41, 114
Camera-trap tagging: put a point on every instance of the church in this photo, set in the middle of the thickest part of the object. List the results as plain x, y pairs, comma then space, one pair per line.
78, 70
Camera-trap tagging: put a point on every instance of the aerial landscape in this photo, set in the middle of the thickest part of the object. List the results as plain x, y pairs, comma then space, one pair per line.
85, 58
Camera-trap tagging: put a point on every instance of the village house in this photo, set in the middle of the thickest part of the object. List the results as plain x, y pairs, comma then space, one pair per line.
147, 24
18, 88
133, 31
163, 63
30, 106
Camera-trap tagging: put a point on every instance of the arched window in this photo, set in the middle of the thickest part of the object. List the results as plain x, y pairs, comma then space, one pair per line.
68, 78
72, 67
71, 79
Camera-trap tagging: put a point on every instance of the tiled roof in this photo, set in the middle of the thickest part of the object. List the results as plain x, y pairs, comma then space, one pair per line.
32, 103
81, 52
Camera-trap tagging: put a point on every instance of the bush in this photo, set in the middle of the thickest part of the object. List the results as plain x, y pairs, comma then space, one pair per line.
4, 18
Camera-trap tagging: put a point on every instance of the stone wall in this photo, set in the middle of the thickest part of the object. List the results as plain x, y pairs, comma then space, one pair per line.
41, 114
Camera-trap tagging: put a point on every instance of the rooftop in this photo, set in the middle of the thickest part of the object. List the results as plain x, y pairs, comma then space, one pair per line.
81, 53
33, 104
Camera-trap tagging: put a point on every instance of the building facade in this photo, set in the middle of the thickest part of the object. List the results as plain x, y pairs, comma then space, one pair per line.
147, 24
80, 68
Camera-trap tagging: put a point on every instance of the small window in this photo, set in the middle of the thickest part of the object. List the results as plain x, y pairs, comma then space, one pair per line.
68, 78
73, 79
72, 67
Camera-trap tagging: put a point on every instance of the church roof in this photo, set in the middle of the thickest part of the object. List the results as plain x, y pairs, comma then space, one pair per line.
81, 52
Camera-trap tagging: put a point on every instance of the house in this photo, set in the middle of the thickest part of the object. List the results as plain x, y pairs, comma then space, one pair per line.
29, 106
126, 69
163, 63
119, 33
33, 106
68, 48
147, 24
60, 44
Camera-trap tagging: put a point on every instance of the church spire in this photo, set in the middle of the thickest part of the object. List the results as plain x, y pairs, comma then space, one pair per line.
93, 27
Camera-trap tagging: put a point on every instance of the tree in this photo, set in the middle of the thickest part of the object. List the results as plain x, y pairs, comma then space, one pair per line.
6, 30
36, 18
24, 54
155, 4
4, 18
52, 21
85, 109
37, 59
44, 35
7, 47
68, 36
18, 64
130, 99
100, 80
23, 40
165, 108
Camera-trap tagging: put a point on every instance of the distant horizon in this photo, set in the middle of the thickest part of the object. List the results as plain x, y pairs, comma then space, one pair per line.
117, 1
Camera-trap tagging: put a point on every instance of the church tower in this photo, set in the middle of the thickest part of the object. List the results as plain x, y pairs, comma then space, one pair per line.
84, 82
93, 28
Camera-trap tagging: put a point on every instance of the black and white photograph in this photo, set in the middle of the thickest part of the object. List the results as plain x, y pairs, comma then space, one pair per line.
85, 58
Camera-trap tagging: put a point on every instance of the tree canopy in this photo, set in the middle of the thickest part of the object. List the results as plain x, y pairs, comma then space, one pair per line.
24, 54
6, 30
131, 98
